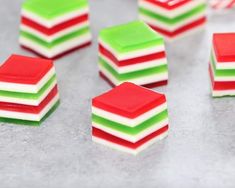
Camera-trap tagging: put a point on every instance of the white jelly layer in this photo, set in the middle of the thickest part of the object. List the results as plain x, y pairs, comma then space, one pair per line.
129, 150
27, 88
143, 80
132, 138
128, 121
170, 13
51, 38
133, 54
220, 93
134, 67
25, 101
58, 49
169, 27
29, 116
49, 23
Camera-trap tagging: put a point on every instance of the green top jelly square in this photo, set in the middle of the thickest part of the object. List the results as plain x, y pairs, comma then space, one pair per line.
50, 9
130, 37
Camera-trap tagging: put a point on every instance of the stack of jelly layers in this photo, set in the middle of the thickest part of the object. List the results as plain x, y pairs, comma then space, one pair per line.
129, 118
54, 28
28, 90
173, 18
132, 52
222, 65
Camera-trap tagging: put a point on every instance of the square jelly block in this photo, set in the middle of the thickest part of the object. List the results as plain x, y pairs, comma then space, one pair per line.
129, 117
58, 28
222, 65
28, 90
132, 52
173, 18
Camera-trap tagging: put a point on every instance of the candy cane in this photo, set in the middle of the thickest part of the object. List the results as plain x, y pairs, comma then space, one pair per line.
222, 4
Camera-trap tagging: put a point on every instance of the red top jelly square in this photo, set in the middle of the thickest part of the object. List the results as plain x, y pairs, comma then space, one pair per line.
24, 70
224, 47
169, 4
129, 100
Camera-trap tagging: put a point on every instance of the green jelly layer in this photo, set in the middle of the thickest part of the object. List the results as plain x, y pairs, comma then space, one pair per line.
132, 75
219, 72
29, 96
130, 37
50, 9
130, 130
175, 20
57, 41
31, 123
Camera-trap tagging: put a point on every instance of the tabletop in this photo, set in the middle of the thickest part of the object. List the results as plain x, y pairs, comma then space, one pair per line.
200, 148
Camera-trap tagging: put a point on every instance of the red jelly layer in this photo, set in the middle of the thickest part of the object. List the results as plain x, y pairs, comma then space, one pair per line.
150, 85
169, 4
28, 108
180, 30
59, 55
224, 45
108, 137
57, 28
129, 100
24, 70
132, 61
221, 85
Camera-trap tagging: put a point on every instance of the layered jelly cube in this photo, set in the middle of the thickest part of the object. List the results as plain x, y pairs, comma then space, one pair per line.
129, 118
28, 90
222, 65
52, 28
132, 52
173, 18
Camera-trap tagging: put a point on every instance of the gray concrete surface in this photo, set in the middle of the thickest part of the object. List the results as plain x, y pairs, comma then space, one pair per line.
199, 152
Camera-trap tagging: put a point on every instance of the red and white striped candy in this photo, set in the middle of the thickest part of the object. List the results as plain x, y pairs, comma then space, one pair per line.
222, 4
